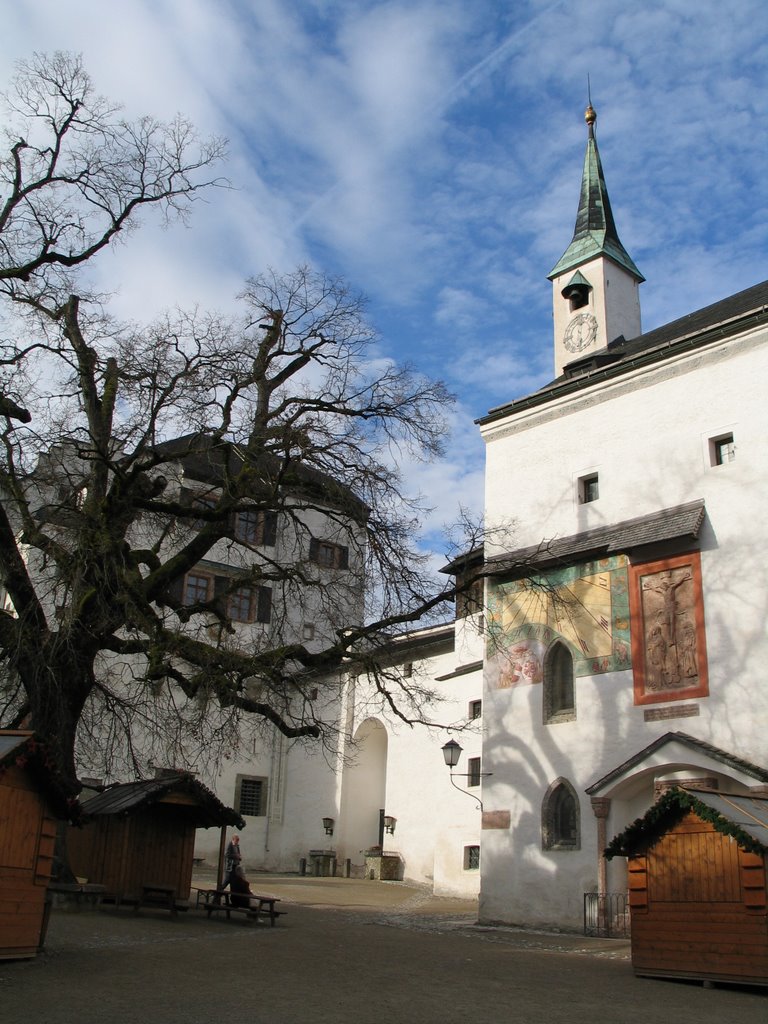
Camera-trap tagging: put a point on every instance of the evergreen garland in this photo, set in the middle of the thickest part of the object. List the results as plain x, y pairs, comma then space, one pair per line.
645, 831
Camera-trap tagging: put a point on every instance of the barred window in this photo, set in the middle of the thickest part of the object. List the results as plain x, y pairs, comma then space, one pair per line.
471, 858
250, 796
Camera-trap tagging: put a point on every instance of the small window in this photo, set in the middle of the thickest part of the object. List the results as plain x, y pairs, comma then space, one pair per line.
473, 773
308, 631
328, 555
471, 858
250, 796
475, 709
197, 588
407, 669
722, 450
588, 489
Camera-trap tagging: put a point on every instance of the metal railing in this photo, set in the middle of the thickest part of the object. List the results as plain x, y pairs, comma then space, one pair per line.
606, 914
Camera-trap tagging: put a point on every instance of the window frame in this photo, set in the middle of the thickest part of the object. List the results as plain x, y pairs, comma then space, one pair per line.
474, 771
556, 707
553, 808
472, 857
259, 780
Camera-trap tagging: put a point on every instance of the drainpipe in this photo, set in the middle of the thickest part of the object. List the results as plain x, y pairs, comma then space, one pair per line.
601, 807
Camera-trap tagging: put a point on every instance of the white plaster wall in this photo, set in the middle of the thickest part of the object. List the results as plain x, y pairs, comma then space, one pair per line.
647, 437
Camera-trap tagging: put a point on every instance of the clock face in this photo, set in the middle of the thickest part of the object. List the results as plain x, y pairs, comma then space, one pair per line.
580, 332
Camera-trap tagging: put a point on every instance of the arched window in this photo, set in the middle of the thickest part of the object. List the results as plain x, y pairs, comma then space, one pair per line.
559, 691
560, 818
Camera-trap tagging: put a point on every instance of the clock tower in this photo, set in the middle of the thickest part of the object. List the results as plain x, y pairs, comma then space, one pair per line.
595, 282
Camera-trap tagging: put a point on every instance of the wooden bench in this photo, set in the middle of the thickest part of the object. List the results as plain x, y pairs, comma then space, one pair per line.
220, 901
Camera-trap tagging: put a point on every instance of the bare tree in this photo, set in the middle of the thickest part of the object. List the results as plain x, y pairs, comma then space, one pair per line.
181, 503
75, 174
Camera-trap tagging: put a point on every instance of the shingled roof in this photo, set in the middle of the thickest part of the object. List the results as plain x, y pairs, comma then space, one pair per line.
124, 798
682, 522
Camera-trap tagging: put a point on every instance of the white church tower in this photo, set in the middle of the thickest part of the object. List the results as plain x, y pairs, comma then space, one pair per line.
595, 283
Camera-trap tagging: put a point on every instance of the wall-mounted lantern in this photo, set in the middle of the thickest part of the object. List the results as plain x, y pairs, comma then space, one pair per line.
389, 824
328, 826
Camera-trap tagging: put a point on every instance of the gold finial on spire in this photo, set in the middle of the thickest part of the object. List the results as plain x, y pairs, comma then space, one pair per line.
590, 115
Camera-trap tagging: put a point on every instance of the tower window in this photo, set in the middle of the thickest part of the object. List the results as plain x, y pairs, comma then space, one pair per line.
589, 489
722, 450
473, 775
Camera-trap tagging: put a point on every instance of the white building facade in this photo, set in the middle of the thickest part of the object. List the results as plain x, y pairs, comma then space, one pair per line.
627, 642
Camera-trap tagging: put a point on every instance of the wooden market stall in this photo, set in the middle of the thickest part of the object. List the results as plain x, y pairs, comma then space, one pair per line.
27, 840
140, 836
697, 887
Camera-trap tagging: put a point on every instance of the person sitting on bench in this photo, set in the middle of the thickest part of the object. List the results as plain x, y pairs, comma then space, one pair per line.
240, 890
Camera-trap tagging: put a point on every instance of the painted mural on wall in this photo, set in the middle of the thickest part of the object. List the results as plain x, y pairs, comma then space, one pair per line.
587, 606
668, 643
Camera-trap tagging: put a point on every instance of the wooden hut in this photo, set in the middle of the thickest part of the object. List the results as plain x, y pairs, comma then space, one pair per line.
27, 840
697, 887
142, 834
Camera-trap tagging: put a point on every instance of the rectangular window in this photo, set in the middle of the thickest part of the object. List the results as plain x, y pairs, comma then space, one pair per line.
473, 772
250, 796
241, 604
475, 709
308, 631
328, 555
723, 450
470, 600
471, 858
588, 489
197, 588
255, 527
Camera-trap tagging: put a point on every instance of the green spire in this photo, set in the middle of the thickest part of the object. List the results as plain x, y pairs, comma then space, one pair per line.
595, 232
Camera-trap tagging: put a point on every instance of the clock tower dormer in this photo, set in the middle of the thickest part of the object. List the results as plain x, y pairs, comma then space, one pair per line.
595, 284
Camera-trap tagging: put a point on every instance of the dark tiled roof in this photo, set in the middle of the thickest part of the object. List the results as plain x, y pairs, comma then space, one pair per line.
713, 323
214, 461
697, 746
679, 523
127, 797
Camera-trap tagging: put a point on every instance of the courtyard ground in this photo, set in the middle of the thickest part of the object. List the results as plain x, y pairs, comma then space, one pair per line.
346, 951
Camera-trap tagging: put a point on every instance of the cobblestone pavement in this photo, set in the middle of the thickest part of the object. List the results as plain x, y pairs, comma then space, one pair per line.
346, 951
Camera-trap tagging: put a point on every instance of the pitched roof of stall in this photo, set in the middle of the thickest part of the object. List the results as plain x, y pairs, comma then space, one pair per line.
595, 231
741, 816
714, 323
124, 798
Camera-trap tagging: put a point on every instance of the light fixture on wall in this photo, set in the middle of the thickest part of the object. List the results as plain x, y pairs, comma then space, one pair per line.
389, 824
451, 753
328, 826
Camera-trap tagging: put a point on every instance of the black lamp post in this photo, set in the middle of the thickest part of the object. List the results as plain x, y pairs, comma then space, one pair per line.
451, 753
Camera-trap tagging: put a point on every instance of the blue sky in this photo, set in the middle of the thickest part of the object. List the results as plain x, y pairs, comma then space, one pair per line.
430, 152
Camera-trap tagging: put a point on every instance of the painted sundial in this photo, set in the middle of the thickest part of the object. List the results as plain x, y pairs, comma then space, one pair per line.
585, 606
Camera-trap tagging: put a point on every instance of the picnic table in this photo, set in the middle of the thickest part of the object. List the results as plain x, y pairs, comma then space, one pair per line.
220, 901
157, 895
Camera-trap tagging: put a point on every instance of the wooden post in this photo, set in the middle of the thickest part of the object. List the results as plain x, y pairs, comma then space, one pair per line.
222, 849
